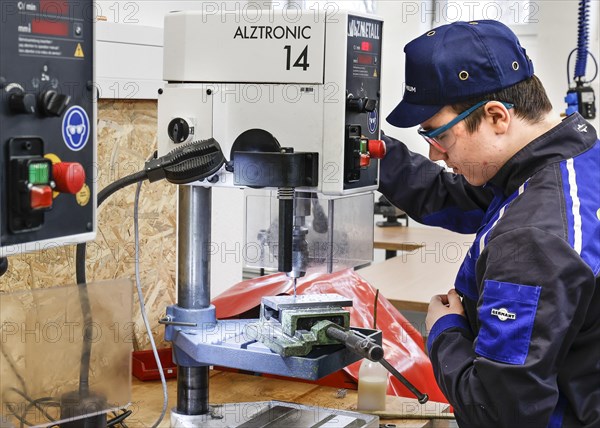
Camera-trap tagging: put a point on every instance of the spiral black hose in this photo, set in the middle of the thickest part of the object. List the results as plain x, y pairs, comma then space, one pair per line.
582, 39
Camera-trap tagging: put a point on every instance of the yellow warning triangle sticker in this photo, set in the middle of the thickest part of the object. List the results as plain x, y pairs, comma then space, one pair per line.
375, 73
78, 51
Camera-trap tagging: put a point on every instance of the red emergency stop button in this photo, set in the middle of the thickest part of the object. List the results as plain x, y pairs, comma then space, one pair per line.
377, 149
68, 176
40, 197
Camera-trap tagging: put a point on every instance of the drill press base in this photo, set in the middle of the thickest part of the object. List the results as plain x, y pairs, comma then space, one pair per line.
274, 414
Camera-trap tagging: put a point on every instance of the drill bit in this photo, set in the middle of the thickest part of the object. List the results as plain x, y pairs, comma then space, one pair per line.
295, 280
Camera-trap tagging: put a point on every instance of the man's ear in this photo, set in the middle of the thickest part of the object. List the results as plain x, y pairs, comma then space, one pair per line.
498, 116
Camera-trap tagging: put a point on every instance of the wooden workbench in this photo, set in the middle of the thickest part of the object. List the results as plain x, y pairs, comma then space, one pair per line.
404, 238
427, 266
227, 387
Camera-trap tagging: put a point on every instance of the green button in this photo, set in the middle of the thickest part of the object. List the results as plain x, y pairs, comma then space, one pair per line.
39, 173
364, 146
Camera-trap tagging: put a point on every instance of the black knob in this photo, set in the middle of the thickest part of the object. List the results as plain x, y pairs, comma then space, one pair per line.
52, 103
356, 104
179, 130
370, 105
20, 102
362, 105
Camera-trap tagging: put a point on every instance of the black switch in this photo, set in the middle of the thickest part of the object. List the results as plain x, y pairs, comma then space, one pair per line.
21, 103
179, 130
362, 105
52, 103
356, 104
370, 105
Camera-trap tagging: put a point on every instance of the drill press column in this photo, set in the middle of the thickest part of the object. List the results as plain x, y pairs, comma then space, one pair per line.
193, 287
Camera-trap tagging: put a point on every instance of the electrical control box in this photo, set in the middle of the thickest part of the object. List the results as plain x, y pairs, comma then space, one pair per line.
261, 80
581, 99
47, 124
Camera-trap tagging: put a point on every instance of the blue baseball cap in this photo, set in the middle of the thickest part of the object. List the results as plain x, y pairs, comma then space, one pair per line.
457, 62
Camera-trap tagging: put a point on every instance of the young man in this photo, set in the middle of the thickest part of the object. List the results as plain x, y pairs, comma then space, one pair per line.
517, 342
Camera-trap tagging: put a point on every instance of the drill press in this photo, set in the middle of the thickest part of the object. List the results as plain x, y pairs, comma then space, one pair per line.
295, 103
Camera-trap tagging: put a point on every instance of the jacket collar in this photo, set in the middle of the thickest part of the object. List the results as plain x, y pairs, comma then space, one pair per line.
573, 136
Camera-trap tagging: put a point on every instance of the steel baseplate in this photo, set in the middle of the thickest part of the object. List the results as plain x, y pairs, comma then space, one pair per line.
274, 414
228, 344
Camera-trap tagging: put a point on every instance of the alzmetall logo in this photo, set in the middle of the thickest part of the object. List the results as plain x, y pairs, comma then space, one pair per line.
503, 314
368, 30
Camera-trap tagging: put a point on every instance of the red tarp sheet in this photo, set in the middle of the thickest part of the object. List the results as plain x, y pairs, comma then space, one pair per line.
402, 343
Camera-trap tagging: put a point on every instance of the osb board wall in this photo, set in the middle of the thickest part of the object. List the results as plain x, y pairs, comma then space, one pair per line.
126, 137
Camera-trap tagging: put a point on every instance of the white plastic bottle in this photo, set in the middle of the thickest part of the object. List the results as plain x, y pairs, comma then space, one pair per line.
372, 386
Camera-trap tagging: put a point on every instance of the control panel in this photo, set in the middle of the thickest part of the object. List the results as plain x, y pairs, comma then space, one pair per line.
47, 124
363, 99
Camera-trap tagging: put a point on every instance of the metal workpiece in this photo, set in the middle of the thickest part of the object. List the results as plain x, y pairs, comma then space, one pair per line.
305, 301
193, 263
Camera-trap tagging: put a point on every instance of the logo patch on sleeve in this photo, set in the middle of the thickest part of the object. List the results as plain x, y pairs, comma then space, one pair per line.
506, 318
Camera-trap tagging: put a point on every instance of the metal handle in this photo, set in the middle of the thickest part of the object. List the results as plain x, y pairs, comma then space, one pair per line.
423, 398
169, 321
362, 346
366, 348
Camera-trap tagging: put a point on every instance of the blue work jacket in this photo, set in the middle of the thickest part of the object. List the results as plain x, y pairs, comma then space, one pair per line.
527, 354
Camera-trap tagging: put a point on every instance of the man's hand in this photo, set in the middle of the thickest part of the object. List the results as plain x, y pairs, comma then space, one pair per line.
441, 305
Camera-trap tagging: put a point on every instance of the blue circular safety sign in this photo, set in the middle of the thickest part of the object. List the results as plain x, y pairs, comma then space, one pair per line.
76, 128
373, 121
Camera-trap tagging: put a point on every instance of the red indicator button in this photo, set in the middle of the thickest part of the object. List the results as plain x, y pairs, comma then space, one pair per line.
365, 161
365, 46
377, 149
40, 197
69, 177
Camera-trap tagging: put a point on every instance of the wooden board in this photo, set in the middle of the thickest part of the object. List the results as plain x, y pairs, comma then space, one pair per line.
410, 279
227, 387
412, 238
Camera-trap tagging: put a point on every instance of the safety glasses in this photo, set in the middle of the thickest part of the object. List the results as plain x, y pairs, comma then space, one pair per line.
443, 142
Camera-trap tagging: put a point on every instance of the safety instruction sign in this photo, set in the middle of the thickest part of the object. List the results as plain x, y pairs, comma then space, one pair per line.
76, 128
79, 51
